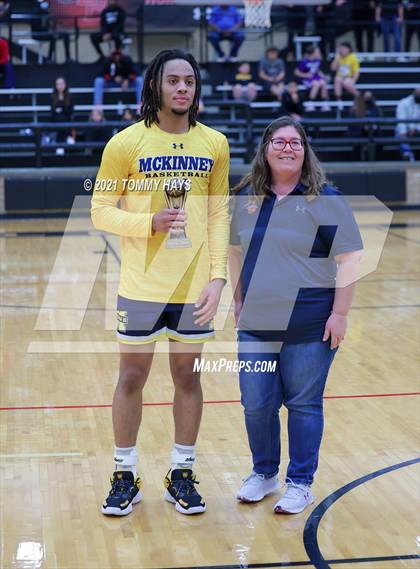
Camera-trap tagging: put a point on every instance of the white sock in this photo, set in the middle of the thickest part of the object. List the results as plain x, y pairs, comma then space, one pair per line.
126, 459
182, 456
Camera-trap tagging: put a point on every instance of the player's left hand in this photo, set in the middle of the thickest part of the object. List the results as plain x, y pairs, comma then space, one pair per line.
208, 302
336, 329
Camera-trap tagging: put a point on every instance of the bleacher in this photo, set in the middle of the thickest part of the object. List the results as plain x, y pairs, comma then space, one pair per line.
28, 137
25, 115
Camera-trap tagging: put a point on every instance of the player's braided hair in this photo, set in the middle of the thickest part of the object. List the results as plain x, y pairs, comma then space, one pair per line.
151, 94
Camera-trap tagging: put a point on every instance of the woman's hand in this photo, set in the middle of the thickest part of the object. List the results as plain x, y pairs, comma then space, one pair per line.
336, 329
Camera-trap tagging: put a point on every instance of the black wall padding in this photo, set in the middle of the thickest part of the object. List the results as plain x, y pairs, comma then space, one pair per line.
42, 193
58, 193
24, 193
386, 186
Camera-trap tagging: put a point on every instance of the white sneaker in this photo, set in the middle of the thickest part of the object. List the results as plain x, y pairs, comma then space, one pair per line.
256, 487
296, 498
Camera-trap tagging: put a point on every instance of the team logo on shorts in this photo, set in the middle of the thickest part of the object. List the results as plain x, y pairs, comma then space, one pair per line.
122, 320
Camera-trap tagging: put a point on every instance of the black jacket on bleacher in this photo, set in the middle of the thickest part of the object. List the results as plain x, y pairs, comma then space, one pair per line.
112, 20
123, 66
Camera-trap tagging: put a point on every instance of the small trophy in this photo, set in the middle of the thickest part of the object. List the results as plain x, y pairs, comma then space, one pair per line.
176, 192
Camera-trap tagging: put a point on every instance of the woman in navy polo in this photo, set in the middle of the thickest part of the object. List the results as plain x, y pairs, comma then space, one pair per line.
295, 249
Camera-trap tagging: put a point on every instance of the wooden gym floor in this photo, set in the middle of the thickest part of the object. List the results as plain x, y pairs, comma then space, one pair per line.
56, 439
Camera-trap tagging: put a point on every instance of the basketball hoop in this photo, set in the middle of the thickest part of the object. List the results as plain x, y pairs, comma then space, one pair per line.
257, 13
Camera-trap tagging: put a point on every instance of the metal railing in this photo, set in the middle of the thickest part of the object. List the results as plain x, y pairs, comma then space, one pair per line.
136, 25
320, 131
35, 107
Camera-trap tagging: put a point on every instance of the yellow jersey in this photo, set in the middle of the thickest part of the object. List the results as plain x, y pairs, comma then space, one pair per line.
137, 165
348, 66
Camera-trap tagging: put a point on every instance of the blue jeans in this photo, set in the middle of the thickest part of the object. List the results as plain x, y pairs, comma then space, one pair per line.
405, 149
298, 382
391, 27
9, 75
99, 86
236, 38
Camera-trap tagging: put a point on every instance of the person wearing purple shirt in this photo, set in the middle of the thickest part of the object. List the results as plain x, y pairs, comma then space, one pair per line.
309, 71
225, 23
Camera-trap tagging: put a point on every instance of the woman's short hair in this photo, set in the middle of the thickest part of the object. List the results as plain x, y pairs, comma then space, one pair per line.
259, 178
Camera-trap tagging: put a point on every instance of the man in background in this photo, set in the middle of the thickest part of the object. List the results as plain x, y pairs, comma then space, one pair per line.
225, 24
112, 27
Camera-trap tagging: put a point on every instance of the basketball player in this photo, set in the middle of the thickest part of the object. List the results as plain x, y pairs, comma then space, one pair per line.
164, 292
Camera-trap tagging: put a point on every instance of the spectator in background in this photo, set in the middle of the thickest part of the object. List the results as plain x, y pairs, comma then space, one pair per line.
4, 10
364, 107
119, 71
411, 13
326, 26
6, 67
408, 109
128, 117
390, 15
364, 21
244, 86
225, 24
62, 110
346, 65
43, 29
291, 101
343, 16
112, 27
271, 71
295, 25
309, 71
100, 132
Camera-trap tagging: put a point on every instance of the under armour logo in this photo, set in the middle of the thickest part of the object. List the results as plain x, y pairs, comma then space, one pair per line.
300, 209
174, 145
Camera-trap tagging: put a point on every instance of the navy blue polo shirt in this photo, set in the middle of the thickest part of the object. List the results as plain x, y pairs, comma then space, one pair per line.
289, 271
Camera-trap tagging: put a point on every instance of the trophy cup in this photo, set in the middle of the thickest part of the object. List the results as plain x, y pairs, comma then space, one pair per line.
176, 191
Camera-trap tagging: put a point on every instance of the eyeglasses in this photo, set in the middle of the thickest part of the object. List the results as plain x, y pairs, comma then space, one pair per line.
280, 143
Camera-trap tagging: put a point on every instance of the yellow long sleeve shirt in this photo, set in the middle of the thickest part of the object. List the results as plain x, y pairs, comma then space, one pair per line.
136, 166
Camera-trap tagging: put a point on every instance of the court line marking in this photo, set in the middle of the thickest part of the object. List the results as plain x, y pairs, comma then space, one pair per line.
111, 248
310, 532
93, 232
404, 225
42, 455
386, 306
301, 563
393, 234
28, 307
208, 402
